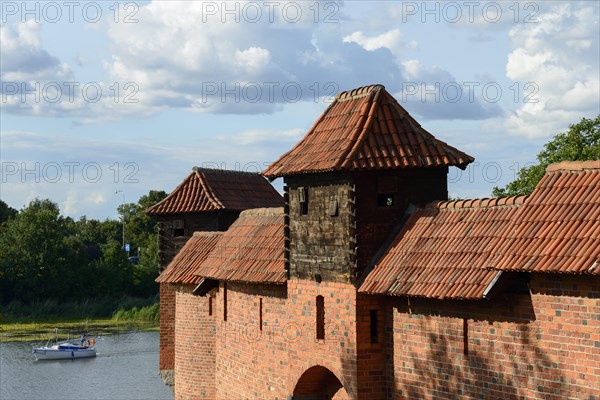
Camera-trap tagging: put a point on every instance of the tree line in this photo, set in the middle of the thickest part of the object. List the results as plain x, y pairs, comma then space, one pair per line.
45, 255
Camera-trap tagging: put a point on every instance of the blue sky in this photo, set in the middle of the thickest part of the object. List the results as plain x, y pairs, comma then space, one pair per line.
106, 96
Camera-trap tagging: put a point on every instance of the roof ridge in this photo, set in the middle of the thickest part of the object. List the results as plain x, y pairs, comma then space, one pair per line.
359, 92
207, 233
571, 166
221, 170
262, 212
484, 202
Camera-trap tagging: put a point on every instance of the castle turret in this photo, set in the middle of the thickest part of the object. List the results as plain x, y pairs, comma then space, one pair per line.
190, 222
348, 183
352, 178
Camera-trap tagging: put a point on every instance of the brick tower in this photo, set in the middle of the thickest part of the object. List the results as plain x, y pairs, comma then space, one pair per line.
348, 183
191, 219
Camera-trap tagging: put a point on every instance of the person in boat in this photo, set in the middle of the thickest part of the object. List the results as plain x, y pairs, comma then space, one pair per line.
83, 340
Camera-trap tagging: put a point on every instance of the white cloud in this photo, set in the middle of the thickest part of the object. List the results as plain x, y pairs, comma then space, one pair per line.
24, 60
391, 40
181, 56
37, 83
559, 58
252, 59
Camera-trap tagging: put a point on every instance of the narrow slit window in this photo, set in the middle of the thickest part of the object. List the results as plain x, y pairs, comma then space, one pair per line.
333, 207
303, 200
210, 305
260, 314
320, 318
224, 301
465, 337
374, 326
178, 228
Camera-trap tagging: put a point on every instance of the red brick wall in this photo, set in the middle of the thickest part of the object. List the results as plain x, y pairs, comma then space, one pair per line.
267, 364
371, 346
338, 351
540, 346
543, 346
167, 326
194, 347
250, 363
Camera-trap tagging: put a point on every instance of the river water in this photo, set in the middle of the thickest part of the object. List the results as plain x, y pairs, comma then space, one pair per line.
125, 368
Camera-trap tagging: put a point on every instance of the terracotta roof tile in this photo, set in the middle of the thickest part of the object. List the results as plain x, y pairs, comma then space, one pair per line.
455, 249
251, 250
184, 266
443, 252
558, 227
211, 189
366, 129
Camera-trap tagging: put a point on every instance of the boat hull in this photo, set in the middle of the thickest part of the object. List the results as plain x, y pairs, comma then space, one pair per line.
48, 353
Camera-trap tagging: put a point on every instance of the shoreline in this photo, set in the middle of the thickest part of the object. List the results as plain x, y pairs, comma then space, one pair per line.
44, 330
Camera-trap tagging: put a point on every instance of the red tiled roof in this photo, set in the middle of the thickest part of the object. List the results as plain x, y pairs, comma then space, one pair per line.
184, 266
455, 249
558, 227
366, 129
213, 189
444, 250
251, 250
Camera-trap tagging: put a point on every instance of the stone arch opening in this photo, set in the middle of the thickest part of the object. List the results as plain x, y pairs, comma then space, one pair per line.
317, 383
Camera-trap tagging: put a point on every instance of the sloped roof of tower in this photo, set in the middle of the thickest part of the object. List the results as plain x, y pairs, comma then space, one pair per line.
366, 129
206, 189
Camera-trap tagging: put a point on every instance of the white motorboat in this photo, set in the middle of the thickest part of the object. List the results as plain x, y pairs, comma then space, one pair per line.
66, 350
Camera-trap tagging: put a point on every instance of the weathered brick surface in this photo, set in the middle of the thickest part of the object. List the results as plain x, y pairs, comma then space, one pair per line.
195, 347
543, 346
371, 346
167, 326
321, 243
337, 352
169, 245
517, 346
267, 364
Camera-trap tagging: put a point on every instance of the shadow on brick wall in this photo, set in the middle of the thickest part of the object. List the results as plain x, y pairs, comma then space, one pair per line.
477, 350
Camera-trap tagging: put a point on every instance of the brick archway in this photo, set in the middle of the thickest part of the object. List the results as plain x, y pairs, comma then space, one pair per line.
318, 383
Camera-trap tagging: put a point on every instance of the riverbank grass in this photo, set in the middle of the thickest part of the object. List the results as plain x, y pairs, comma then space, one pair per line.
40, 327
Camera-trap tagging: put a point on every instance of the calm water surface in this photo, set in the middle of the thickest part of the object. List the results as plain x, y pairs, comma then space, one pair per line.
126, 368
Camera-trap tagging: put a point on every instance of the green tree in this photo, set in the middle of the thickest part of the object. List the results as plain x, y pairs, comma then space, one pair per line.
581, 142
40, 254
6, 212
113, 273
98, 232
146, 271
44, 255
138, 226
143, 232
